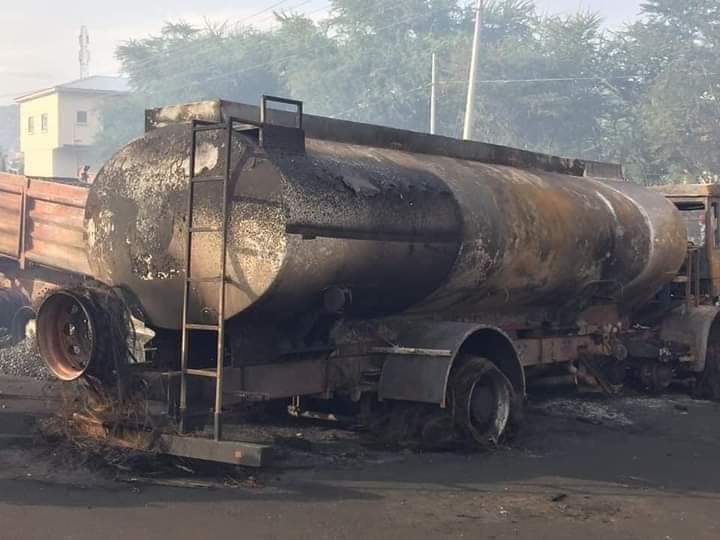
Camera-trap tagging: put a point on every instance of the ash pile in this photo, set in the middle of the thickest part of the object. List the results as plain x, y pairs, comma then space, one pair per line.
22, 359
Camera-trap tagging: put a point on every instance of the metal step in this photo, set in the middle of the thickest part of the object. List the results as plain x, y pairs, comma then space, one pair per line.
205, 230
206, 327
205, 179
216, 279
208, 373
208, 127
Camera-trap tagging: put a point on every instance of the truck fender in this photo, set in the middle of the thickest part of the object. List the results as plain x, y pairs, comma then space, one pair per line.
418, 365
691, 327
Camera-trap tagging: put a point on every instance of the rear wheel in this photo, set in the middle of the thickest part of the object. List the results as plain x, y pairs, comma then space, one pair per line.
707, 385
66, 335
84, 332
482, 400
14, 316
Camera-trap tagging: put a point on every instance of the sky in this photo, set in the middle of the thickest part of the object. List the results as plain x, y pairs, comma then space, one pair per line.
44, 53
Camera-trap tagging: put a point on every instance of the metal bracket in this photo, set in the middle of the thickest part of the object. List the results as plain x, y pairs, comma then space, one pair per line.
274, 99
282, 137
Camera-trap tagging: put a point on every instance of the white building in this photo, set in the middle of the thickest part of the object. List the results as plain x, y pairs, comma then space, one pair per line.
58, 125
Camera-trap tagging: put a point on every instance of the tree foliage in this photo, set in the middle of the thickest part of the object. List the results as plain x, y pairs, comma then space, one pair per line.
646, 95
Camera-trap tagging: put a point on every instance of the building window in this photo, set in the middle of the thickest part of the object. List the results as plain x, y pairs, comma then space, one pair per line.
31, 124
44, 123
81, 118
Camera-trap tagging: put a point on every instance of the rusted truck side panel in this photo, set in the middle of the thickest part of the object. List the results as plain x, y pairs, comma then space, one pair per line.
42, 222
11, 205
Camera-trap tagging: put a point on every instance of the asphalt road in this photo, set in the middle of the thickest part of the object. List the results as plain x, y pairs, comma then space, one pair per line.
625, 468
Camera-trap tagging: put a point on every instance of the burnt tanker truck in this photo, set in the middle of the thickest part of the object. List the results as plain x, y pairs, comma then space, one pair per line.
271, 255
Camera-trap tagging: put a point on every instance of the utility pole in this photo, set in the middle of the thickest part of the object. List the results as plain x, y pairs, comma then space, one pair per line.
470, 104
84, 54
433, 96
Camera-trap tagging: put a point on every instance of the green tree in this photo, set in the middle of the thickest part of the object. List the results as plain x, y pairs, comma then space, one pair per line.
645, 96
672, 109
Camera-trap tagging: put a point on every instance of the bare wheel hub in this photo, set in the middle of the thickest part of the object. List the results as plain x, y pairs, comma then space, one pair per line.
66, 335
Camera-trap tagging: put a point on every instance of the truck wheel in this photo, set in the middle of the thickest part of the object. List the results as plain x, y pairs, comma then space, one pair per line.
708, 384
66, 335
14, 316
83, 332
482, 399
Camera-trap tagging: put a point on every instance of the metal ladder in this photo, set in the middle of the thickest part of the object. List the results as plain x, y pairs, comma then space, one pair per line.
199, 126
229, 126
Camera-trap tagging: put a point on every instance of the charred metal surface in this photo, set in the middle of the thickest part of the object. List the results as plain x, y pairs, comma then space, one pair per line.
689, 190
299, 224
231, 452
329, 129
399, 230
437, 235
136, 217
280, 379
282, 138
543, 239
418, 355
700, 207
555, 350
691, 328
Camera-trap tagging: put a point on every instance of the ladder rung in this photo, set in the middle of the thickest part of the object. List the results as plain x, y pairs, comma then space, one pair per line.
216, 279
209, 373
208, 327
209, 127
201, 179
205, 230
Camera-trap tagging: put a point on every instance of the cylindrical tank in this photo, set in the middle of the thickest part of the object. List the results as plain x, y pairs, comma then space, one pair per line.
402, 231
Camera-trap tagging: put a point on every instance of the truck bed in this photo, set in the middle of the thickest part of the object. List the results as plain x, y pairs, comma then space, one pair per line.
42, 222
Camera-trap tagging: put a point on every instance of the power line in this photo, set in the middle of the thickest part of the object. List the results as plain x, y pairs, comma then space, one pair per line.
557, 79
373, 102
276, 4
513, 81
291, 8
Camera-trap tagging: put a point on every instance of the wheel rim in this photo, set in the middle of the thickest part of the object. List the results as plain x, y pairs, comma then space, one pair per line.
66, 335
488, 404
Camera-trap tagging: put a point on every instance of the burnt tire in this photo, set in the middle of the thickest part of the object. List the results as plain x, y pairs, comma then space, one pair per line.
83, 332
14, 316
483, 401
708, 383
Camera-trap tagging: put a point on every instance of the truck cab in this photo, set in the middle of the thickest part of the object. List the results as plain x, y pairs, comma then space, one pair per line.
699, 205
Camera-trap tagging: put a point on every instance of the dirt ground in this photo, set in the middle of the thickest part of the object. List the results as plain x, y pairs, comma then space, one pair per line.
629, 467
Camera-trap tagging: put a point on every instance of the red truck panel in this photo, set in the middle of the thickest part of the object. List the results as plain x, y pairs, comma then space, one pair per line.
42, 221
